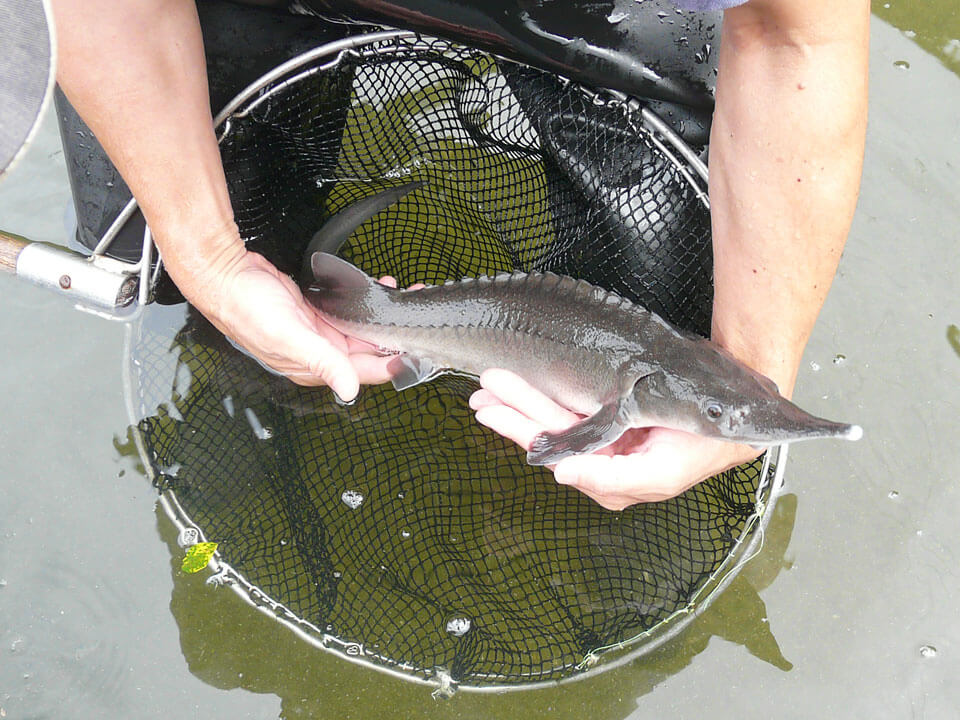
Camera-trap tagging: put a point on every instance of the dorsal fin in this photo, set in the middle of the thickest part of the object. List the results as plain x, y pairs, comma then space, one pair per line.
333, 273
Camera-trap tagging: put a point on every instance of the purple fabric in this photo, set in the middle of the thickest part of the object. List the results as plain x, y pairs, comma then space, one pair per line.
706, 5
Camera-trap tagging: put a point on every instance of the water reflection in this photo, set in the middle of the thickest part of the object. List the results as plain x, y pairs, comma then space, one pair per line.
63, 646
953, 337
228, 645
934, 25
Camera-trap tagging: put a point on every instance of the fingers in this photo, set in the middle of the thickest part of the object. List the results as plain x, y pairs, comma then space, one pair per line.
516, 392
510, 423
483, 398
616, 481
371, 369
665, 464
391, 281
322, 365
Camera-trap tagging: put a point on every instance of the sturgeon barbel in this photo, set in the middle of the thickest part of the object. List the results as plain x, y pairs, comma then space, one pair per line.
588, 349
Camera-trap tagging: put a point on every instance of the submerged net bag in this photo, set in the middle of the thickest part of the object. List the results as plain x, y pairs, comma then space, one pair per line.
398, 531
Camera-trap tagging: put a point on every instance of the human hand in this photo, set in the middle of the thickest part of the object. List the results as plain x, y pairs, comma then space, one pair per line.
644, 465
263, 311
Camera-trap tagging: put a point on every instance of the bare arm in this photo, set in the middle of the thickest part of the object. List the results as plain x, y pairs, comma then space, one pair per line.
135, 71
786, 154
785, 160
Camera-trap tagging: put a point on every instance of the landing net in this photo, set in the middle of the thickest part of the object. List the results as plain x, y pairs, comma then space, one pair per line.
398, 531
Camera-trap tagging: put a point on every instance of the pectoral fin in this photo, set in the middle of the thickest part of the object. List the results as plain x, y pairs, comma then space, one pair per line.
592, 433
408, 371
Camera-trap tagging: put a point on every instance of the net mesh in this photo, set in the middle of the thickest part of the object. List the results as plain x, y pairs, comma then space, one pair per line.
397, 529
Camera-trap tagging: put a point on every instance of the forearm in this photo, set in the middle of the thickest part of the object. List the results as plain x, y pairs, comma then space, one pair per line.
137, 77
785, 160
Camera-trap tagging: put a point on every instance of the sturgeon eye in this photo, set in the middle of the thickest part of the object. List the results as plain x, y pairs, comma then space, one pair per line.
714, 411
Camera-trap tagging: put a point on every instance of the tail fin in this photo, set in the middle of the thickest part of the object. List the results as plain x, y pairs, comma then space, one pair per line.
331, 274
335, 231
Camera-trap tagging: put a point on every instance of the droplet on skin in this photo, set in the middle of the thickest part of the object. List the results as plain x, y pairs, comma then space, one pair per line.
902, 64
893, 494
840, 359
928, 651
815, 366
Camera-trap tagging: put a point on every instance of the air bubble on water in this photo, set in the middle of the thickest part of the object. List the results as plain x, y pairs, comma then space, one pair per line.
839, 359
405, 534
228, 405
928, 651
893, 494
458, 626
401, 495
902, 64
337, 574
188, 537
352, 499
815, 366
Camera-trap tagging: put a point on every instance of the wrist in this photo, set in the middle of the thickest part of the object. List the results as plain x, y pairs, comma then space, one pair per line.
202, 264
772, 350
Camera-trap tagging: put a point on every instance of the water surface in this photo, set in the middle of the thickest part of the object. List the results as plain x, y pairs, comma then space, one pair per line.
837, 617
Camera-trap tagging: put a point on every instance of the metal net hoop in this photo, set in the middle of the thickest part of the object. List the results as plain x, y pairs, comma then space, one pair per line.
396, 532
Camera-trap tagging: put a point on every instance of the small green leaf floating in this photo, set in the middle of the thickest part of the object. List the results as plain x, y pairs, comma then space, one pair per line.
198, 556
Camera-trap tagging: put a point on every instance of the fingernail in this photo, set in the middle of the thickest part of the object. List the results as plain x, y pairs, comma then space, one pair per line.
345, 393
340, 401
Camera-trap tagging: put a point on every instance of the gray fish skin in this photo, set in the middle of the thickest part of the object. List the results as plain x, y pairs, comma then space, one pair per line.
590, 350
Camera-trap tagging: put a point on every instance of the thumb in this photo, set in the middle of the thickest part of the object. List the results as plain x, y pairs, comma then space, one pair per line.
325, 365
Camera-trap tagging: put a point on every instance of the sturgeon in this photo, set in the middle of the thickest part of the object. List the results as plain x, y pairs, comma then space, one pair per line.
588, 349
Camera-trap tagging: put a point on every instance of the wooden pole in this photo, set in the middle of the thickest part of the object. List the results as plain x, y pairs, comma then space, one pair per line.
10, 247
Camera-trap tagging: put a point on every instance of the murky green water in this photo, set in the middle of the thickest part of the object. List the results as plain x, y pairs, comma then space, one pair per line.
848, 612
934, 26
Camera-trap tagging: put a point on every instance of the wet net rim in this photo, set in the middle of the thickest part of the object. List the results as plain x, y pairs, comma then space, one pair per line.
747, 545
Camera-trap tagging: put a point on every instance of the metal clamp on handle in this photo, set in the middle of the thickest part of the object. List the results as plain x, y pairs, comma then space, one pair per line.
98, 283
